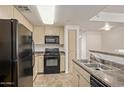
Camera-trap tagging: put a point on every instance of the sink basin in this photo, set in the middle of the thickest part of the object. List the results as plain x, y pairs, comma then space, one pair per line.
100, 67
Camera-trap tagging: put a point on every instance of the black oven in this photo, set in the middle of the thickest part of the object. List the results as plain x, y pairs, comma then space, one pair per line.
51, 61
51, 39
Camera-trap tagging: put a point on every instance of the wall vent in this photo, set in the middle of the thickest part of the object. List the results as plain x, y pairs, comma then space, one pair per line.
24, 8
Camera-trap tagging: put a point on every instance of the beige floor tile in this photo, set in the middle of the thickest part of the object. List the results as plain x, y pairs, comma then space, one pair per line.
53, 80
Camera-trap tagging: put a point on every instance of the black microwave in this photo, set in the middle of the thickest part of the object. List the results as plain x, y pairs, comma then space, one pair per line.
51, 39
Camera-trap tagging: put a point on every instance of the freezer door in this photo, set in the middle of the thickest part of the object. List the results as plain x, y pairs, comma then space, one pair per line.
5, 53
25, 57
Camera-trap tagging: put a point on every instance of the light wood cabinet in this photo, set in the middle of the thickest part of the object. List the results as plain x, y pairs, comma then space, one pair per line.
9, 12
75, 78
81, 78
41, 64
35, 68
40, 32
6, 11
38, 35
50, 30
61, 35
62, 63
17, 15
83, 82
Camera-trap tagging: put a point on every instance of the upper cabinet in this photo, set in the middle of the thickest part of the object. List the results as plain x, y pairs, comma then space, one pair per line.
40, 32
10, 12
17, 15
6, 11
38, 35
50, 30
61, 35
57, 31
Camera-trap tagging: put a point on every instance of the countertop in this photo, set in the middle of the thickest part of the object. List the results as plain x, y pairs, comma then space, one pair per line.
111, 78
43, 52
108, 53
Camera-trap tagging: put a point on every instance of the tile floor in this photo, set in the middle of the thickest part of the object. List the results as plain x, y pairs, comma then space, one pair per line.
53, 80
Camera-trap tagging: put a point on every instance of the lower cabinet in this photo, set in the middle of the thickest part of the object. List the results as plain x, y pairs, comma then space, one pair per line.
81, 78
62, 63
35, 71
75, 78
83, 82
41, 64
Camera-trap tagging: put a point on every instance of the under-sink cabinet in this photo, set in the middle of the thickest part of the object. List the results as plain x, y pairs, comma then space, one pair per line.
81, 78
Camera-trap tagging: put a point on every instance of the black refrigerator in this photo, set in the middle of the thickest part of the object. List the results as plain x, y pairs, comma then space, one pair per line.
16, 51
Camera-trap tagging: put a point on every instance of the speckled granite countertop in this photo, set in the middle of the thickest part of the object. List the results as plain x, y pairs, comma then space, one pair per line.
108, 53
111, 78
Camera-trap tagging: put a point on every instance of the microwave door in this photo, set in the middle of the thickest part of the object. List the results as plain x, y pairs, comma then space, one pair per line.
51, 39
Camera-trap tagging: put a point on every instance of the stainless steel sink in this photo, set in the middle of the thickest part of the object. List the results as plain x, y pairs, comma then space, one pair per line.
100, 67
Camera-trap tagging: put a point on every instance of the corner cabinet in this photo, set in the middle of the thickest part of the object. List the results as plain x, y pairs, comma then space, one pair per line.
81, 78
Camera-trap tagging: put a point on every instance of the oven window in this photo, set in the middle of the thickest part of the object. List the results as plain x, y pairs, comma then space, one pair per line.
52, 62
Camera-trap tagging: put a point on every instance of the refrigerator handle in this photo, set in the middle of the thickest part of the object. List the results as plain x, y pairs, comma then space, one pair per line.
33, 47
33, 52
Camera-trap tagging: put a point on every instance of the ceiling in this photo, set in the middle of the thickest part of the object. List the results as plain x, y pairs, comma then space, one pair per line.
76, 15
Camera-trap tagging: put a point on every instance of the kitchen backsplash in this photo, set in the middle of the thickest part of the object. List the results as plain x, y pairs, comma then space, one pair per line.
106, 61
41, 47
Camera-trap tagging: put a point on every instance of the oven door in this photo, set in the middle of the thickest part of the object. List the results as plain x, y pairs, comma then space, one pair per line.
51, 64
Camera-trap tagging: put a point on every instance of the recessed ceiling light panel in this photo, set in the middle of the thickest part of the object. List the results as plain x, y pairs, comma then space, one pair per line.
47, 13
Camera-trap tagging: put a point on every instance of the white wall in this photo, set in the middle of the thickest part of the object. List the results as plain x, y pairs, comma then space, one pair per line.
93, 41
113, 40
82, 45
89, 41
110, 41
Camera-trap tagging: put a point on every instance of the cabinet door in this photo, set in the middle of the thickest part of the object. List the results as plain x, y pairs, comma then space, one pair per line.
17, 15
75, 79
83, 82
38, 35
62, 63
61, 34
49, 30
35, 69
84, 73
41, 64
6, 11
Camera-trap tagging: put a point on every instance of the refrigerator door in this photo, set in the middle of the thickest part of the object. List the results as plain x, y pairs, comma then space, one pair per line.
25, 67
6, 66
